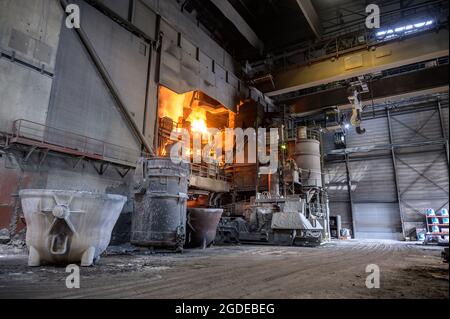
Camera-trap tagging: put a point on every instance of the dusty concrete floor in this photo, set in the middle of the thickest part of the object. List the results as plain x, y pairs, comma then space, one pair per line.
335, 270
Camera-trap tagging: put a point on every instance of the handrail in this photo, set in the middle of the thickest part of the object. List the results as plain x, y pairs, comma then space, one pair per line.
52, 136
48, 135
205, 171
71, 133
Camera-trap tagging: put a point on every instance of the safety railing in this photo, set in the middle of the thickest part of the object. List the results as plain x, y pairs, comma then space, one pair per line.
209, 171
32, 133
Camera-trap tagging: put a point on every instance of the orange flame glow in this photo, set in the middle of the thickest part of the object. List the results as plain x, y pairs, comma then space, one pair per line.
197, 118
171, 104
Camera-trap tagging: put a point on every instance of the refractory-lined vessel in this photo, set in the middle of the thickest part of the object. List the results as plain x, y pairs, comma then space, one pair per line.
66, 227
159, 219
202, 226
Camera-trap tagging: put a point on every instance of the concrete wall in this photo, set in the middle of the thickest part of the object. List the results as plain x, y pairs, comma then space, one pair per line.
31, 29
81, 103
29, 32
24, 94
120, 7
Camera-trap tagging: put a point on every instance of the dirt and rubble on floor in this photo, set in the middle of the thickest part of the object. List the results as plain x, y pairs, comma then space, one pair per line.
334, 270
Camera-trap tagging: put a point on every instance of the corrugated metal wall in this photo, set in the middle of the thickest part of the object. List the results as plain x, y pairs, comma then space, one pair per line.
416, 127
376, 134
336, 182
377, 220
373, 181
421, 169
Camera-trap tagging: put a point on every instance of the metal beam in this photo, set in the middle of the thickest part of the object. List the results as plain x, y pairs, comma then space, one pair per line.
311, 16
422, 175
423, 82
443, 131
350, 196
396, 177
416, 132
231, 14
386, 56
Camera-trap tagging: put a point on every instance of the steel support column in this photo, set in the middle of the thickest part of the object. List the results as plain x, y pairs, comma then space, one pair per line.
394, 165
443, 130
350, 196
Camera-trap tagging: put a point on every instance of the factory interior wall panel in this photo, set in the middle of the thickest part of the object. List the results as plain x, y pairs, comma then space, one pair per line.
422, 172
336, 183
32, 36
444, 104
190, 69
413, 211
151, 116
377, 221
81, 102
24, 93
83, 177
342, 208
120, 7
373, 181
188, 27
445, 120
423, 183
31, 30
15, 176
375, 207
144, 18
187, 59
170, 69
207, 76
376, 134
417, 126
328, 143
124, 56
